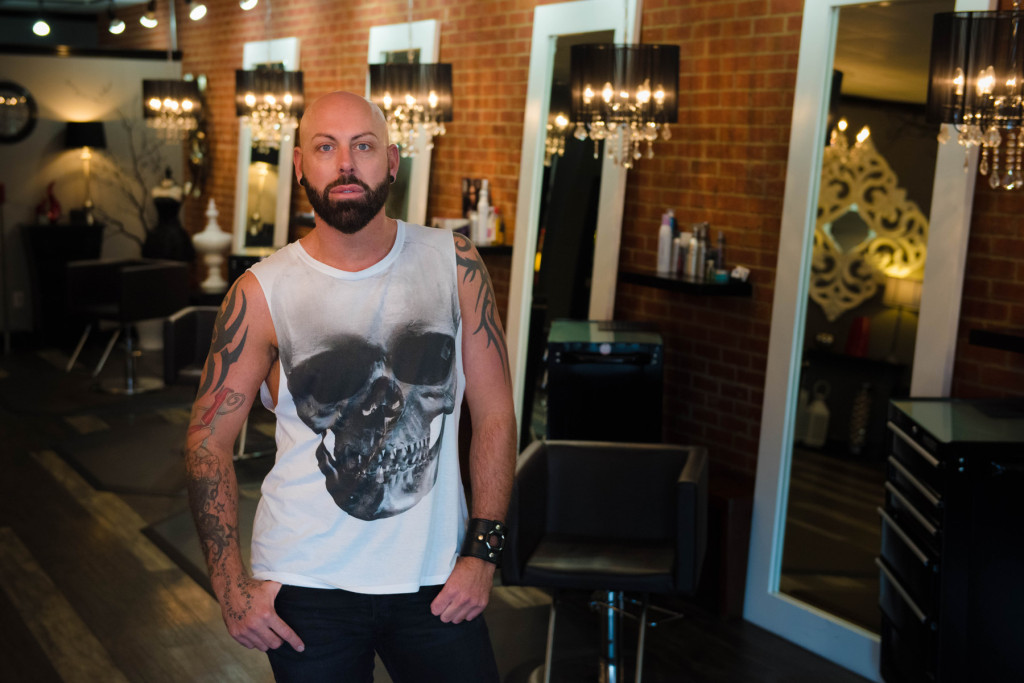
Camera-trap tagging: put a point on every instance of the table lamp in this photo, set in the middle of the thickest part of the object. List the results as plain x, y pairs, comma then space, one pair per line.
87, 135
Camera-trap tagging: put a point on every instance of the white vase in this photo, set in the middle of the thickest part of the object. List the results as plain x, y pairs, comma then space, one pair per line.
212, 242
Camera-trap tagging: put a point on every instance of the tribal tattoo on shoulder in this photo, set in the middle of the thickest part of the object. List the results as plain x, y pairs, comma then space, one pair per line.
473, 270
225, 348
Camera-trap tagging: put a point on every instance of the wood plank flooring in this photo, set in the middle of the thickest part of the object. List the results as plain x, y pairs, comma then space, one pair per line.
85, 596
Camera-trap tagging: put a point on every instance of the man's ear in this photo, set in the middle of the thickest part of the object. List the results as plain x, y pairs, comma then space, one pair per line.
297, 163
394, 159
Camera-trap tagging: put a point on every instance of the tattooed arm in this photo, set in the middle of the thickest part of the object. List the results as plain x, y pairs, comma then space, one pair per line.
492, 451
242, 354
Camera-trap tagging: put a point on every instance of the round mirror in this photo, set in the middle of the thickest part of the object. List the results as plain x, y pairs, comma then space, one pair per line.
17, 112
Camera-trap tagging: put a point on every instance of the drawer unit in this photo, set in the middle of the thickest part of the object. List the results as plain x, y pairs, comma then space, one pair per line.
951, 552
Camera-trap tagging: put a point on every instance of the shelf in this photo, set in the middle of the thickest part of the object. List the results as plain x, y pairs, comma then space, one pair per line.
495, 249
674, 283
1005, 340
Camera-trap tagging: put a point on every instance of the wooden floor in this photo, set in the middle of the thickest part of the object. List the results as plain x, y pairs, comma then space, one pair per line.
85, 596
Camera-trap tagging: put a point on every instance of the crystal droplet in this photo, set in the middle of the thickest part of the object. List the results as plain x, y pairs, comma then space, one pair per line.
580, 133
943, 136
666, 134
983, 165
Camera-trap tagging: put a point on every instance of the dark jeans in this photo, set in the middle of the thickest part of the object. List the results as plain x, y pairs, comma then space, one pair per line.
342, 630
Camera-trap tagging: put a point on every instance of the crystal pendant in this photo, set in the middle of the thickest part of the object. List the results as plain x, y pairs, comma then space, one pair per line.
943, 136
983, 165
992, 137
666, 134
580, 133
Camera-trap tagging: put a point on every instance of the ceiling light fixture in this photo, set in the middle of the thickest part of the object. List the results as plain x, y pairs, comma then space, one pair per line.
268, 99
248, 4
416, 98
196, 11
149, 19
116, 25
40, 27
171, 107
975, 84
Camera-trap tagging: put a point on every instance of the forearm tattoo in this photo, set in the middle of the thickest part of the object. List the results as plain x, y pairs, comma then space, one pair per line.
209, 486
211, 482
473, 270
225, 349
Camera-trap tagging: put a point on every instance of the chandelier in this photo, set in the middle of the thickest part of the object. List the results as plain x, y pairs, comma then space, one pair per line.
977, 73
554, 142
416, 100
269, 99
624, 95
171, 107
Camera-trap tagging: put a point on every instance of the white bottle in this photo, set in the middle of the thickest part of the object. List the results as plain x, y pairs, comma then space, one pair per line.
483, 217
665, 244
818, 416
694, 255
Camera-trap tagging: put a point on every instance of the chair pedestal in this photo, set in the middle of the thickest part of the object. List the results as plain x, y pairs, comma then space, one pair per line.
132, 384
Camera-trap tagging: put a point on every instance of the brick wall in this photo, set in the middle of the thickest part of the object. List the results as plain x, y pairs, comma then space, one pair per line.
726, 164
993, 295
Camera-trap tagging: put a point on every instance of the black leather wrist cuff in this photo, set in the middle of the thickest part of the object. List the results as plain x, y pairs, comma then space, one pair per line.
485, 539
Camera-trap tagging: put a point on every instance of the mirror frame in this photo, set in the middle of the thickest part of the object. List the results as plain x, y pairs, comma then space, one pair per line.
550, 22
814, 629
286, 51
425, 36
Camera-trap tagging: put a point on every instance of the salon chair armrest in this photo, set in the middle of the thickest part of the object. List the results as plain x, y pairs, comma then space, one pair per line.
691, 520
527, 514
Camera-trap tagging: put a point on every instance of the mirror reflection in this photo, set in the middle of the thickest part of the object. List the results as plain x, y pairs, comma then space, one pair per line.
262, 203
860, 325
567, 220
264, 180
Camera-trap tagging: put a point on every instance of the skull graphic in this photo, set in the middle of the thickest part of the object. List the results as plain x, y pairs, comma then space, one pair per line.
379, 408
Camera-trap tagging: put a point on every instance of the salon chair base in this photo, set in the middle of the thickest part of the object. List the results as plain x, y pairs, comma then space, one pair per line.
131, 384
613, 665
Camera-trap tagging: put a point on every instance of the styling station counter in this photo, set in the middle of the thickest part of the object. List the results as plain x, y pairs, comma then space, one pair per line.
952, 551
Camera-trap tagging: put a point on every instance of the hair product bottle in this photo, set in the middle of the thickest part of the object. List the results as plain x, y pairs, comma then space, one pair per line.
665, 243
483, 217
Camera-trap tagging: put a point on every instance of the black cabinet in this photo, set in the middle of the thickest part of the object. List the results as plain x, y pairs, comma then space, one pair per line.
50, 249
952, 550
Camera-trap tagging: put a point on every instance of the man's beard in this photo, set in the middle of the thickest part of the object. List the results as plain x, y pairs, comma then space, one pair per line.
347, 216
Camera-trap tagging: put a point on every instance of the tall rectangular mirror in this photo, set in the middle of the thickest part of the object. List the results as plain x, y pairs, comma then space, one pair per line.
824, 601
263, 189
420, 40
550, 23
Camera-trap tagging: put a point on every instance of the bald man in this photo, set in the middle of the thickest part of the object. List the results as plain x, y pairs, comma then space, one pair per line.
363, 338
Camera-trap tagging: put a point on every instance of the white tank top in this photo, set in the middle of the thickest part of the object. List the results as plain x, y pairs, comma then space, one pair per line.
365, 492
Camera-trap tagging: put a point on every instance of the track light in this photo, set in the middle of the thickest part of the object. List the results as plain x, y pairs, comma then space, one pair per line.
41, 28
149, 19
248, 4
196, 11
116, 25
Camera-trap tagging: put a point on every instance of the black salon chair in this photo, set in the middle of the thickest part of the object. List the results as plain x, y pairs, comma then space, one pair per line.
187, 336
124, 292
613, 518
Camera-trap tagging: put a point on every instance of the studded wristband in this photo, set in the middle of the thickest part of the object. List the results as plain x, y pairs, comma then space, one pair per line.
485, 539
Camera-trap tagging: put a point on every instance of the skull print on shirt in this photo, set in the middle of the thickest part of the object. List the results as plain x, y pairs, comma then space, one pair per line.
377, 388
